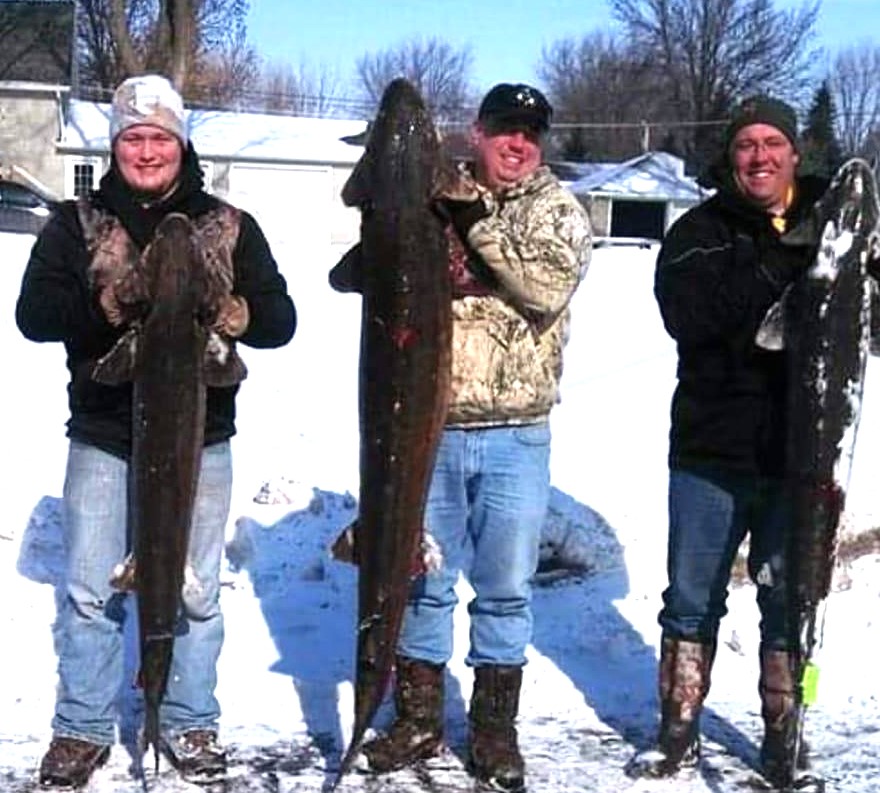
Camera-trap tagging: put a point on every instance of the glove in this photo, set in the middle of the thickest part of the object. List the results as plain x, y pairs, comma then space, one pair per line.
110, 305
461, 213
463, 203
776, 265
780, 268
233, 317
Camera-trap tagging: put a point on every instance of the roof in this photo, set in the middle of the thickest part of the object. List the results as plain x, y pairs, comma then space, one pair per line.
651, 175
230, 135
569, 172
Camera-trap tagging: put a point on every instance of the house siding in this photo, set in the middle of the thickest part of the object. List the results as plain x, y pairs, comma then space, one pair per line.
29, 131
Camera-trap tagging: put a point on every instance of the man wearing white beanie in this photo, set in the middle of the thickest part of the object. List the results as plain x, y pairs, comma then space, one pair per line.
69, 295
151, 100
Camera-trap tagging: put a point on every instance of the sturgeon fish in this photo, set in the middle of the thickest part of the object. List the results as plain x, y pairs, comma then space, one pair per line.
169, 298
825, 328
406, 331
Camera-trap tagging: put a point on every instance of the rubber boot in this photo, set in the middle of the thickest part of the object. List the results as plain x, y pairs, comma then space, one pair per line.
779, 712
494, 756
684, 676
417, 730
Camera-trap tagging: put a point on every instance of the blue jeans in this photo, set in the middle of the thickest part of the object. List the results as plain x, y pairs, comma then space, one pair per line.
91, 618
486, 505
709, 515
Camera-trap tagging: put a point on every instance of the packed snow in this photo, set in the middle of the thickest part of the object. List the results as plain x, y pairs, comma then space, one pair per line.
285, 673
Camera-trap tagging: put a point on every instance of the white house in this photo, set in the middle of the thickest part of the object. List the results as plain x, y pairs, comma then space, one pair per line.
639, 198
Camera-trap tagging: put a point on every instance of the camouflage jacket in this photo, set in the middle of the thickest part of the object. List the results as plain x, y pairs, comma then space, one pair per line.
507, 342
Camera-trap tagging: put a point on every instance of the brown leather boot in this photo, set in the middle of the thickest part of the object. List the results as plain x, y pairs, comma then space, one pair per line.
778, 710
417, 730
196, 754
494, 755
70, 762
684, 676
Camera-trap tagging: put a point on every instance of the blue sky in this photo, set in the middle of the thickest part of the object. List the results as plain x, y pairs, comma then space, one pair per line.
506, 37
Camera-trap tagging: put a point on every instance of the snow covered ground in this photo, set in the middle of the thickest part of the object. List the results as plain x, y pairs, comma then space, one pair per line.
285, 673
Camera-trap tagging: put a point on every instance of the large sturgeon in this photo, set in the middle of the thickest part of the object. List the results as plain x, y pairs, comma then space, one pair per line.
406, 331
169, 298
826, 323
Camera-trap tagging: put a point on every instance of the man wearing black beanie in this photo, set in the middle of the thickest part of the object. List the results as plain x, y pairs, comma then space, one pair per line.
721, 267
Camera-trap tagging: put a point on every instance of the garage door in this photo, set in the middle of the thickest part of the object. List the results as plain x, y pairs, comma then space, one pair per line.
638, 219
295, 208
293, 205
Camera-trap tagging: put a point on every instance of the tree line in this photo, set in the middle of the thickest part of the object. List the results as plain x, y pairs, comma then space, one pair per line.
667, 81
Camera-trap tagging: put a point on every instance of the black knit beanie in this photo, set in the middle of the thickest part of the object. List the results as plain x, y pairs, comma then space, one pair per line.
762, 110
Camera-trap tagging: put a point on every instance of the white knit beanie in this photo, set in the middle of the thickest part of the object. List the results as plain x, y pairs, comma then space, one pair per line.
148, 99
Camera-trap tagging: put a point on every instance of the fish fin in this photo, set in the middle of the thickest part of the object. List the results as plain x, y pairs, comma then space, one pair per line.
806, 233
344, 547
431, 552
117, 366
124, 575
223, 365
356, 190
347, 274
771, 332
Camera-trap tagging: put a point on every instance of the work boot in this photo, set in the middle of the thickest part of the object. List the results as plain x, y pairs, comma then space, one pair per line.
684, 676
70, 762
196, 755
417, 730
494, 755
779, 712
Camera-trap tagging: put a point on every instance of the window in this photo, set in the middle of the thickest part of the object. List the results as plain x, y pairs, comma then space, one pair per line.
81, 174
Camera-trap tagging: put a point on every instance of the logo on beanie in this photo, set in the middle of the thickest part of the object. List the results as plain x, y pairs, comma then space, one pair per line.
763, 110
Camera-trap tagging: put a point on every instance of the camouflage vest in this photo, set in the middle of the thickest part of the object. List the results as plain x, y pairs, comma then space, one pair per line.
113, 252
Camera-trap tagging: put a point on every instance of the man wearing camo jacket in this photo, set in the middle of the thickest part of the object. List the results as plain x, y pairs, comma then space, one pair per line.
519, 246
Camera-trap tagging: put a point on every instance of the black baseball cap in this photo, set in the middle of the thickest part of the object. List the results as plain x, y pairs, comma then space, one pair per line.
512, 105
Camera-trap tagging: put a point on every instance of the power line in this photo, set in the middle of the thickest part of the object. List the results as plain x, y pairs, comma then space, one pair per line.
269, 102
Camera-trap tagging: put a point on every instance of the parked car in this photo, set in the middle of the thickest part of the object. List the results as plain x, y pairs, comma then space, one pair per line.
23, 209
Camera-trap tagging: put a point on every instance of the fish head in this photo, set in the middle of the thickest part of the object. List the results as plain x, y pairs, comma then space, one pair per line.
401, 139
177, 276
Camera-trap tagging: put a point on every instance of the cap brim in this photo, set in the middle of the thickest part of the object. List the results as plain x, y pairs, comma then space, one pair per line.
505, 122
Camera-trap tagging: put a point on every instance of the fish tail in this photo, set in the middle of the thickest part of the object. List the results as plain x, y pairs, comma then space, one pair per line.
155, 666
151, 730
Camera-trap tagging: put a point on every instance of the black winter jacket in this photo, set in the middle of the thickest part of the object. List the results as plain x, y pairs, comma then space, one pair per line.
56, 303
721, 266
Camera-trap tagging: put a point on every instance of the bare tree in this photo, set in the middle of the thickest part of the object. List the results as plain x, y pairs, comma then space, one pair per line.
714, 52
601, 92
99, 67
440, 73
855, 86
302, 91
200, 45
871, 149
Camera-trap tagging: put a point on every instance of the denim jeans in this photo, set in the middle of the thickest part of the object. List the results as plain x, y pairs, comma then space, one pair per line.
709, 516
486, 505
92, 616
